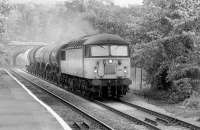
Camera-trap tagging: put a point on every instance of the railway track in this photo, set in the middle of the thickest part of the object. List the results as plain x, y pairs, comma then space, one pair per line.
158, 120
132, 118
150, 123
159, 117
102, 124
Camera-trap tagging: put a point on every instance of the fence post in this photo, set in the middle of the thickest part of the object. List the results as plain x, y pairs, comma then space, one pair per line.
141, 79
135, 76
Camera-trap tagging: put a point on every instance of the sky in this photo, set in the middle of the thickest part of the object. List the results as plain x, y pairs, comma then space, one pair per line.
122, 3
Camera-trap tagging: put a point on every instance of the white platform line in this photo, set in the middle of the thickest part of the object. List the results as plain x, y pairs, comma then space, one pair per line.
58, 118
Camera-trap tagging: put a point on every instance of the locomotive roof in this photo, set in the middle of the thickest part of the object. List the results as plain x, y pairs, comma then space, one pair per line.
92, 39
104, 38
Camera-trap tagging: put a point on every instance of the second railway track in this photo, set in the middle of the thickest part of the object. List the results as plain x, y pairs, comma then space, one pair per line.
168, 120
159, 121
156, 119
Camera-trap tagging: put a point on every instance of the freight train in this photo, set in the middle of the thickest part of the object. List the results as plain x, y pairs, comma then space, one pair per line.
96, 65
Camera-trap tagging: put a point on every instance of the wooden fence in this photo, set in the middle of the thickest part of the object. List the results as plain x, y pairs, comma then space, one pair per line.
138, 79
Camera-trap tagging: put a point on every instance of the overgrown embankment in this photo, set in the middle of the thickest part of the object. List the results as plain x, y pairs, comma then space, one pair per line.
173, 67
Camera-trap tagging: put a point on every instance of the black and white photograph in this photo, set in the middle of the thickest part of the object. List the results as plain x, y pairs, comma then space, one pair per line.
99, 64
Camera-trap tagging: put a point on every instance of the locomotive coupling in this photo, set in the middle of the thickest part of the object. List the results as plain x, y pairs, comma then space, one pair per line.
126, 81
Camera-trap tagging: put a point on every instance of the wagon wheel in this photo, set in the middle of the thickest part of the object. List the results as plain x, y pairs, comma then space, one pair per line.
100, 93
119, 92
71, 83
83, 87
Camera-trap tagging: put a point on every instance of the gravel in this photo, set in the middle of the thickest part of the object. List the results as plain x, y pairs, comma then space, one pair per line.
140, 115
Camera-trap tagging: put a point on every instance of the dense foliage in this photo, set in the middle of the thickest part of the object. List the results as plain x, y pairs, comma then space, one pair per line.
173, 60
172, 65
4, 11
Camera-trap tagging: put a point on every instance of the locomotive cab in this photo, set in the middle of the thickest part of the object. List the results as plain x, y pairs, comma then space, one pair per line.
109, 61
107, 64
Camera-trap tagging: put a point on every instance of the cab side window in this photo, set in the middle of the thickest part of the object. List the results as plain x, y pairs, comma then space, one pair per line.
63, 55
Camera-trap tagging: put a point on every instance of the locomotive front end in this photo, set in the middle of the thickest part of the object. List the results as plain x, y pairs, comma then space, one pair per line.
107, 64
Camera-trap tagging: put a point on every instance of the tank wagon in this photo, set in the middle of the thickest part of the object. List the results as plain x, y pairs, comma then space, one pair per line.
96, 65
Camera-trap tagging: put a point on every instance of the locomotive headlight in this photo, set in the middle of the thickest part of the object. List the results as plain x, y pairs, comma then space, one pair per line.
125, 70
110, 61
95, 69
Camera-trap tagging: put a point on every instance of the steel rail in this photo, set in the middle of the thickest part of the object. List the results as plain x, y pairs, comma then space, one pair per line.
138, 121
70, 104
172, 120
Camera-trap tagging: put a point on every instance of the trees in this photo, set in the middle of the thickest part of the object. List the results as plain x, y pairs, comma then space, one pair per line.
173, 59
4, 11
172, 66
47, 23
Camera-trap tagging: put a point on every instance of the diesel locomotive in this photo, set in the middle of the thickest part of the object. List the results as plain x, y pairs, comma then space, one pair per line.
96, 65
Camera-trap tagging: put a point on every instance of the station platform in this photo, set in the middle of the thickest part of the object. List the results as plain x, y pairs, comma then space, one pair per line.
21, 110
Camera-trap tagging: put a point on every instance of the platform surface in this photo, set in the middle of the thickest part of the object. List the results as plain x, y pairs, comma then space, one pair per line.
20, 111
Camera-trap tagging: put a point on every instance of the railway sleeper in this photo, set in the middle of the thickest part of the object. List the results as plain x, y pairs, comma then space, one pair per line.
151, 121
80, 126
163, 121
85, 126
76, 126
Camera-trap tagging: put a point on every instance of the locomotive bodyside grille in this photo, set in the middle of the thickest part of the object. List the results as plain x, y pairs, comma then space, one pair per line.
110, 69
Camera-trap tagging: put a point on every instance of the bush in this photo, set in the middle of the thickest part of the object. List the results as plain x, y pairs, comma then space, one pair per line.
156, 94
180, 90
171, 65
